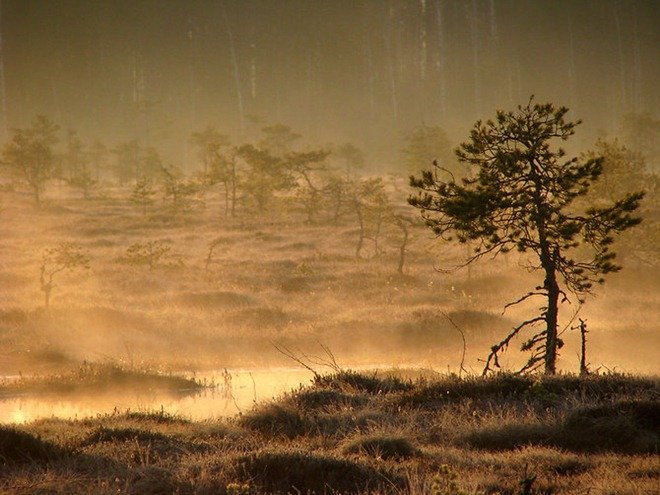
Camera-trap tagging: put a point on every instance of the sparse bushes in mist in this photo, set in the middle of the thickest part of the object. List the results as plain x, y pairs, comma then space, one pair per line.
64, 257
29, 155
75, 166
181, 194
151, 254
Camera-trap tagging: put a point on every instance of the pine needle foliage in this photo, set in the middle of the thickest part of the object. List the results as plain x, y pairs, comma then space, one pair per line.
522, 196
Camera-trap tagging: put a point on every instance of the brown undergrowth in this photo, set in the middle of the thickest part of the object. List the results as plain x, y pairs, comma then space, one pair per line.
364, 433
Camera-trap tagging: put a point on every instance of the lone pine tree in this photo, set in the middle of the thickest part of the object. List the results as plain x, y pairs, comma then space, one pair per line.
521, 196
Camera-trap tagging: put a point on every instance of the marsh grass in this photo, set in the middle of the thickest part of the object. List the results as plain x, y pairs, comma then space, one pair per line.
277, 278
363, 434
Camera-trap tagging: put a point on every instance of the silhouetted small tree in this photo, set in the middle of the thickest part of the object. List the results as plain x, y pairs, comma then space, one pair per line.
209, 143
83, 181
265, 174
307, 169
351, 158
336, 195
404, 223
66, 256
180, 193
523, 197
367, 200
29, 156
151, 254
222, 169
277, 139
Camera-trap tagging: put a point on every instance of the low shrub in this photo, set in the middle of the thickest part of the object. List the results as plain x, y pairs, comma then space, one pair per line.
314, 398
509, 436
628, 427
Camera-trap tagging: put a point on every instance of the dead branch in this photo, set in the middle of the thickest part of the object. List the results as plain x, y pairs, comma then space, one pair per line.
462, 365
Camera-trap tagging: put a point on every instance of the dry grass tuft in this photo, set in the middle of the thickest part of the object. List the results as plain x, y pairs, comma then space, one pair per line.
309, 472
360, 382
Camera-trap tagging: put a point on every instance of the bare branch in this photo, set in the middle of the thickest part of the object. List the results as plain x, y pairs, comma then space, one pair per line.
462, 365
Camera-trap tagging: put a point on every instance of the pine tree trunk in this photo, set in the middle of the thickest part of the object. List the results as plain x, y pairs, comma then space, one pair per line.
637, 65
622, 64
233, 186
226, 198
551, 321
476, 60
572, 76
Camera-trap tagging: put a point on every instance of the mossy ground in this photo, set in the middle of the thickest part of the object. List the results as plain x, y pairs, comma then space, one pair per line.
339, 435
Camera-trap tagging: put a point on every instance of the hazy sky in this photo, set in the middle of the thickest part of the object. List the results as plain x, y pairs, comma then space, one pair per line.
336, 70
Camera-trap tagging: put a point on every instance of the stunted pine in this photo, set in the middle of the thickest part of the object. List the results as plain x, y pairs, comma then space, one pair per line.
66, 256
522, 196
151, 254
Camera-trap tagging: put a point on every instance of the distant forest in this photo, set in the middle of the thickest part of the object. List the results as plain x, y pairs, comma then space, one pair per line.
342, 70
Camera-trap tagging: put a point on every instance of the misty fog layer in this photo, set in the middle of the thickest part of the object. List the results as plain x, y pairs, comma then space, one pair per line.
367, 71
218, 186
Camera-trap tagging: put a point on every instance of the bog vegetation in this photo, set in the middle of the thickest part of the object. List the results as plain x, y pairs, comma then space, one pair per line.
364, 433
268, 246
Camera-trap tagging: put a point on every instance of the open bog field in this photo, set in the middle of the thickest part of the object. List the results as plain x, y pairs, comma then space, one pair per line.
174, 378
275, 280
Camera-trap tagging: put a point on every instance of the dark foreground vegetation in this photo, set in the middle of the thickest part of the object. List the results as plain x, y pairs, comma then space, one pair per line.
364, 433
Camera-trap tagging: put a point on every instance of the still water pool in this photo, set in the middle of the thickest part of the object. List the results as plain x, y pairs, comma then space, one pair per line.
229, 397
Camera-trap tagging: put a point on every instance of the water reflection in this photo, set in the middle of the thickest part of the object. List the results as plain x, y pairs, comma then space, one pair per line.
236, 391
